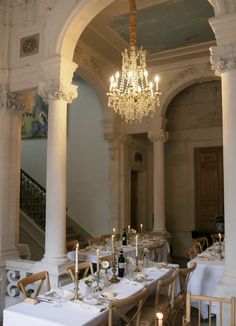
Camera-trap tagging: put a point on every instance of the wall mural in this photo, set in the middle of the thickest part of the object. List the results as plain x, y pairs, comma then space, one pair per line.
35, 117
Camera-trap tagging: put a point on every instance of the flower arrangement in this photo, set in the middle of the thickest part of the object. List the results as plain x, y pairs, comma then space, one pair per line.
105, 264
88, 281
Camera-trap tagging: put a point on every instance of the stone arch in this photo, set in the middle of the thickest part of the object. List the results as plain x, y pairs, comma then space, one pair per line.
69, 22
177, 86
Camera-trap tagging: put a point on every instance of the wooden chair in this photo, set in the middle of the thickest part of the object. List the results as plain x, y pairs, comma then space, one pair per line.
220, 311
109, 258
41, 277
71, 245
84, 269
180, 298
192, 252
162, 302
215, 237
132, 317
96, 241
154, 251
202, 243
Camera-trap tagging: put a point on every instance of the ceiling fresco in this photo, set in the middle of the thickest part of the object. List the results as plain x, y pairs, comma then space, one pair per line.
169, 25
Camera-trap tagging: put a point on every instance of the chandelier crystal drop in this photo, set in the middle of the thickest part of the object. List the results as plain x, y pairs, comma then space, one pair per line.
131, 94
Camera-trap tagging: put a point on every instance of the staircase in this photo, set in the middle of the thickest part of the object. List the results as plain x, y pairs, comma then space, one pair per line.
33, 214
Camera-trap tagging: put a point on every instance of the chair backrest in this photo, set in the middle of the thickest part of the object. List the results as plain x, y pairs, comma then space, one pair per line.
84, 269
107, 235
71, 245
96, 241
40, 278
193, 251
215, 237
202, 243
222, 302
166, 288
184, 276
116, 308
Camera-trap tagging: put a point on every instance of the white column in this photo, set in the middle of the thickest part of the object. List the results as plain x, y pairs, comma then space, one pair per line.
158, 139
11, 107
57, 96
223, 60
124, 178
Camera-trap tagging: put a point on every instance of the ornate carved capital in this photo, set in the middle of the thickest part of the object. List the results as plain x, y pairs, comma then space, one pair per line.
11, 101
223, 58
160, 135
57, 90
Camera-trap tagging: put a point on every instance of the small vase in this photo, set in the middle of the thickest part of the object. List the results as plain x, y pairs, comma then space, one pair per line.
88, 291
145, 262
106, 279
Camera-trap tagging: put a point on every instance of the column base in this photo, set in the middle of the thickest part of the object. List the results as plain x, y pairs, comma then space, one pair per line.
8, 255
57, 270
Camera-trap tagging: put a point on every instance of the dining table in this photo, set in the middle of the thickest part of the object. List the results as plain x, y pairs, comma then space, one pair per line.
83, 311
209, 271
91, 254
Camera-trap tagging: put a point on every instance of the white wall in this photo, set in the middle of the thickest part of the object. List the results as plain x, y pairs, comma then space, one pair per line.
87, 163
87, 167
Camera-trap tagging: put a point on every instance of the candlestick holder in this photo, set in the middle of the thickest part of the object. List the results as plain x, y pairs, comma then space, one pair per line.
137, 269
76, 286
114, 278
97, 288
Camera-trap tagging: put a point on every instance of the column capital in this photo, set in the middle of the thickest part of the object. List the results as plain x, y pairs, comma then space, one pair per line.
223, 58
160, 135
57, 90
10, 101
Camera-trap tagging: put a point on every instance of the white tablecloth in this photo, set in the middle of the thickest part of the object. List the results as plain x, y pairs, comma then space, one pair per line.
204, 279
71, 314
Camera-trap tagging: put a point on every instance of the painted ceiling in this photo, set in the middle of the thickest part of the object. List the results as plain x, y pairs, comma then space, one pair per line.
169, 25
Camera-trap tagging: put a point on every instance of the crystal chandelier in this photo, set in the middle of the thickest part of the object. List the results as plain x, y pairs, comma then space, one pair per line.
131, 94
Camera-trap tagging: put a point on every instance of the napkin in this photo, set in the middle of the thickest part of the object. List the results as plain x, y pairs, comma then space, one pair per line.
108, 294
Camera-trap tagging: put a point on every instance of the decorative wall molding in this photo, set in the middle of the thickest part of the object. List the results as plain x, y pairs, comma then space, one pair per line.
223, 58
10, 101
155, 136
57, 90
84, 58
182, 75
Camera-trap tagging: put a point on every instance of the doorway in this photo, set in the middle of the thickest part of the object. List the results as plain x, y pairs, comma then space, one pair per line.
209, 191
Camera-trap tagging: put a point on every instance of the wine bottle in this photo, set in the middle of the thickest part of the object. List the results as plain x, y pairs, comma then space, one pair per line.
124, 238
121, 264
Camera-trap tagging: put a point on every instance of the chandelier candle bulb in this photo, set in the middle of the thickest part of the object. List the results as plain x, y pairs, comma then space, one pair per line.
76, 257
